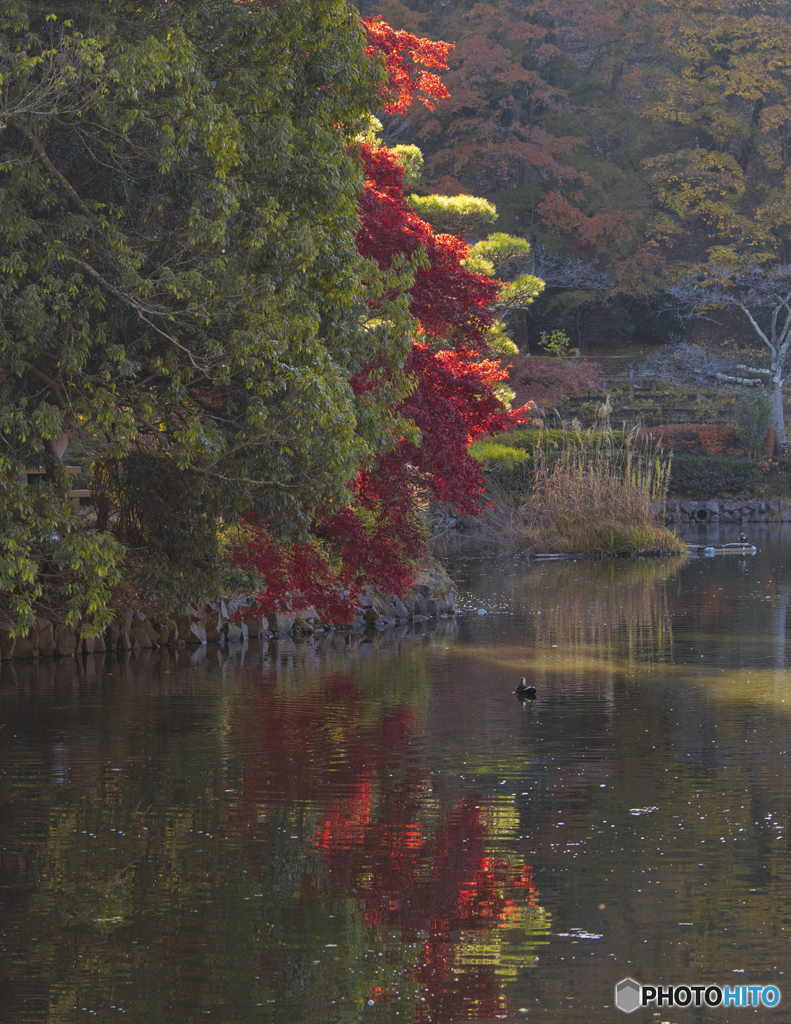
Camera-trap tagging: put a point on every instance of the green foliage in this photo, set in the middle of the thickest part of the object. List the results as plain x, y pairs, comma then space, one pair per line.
707, 411
712, 476
479, 265
753, 419
46, 557
373, 132
558, 440
179, 280
507, 253
777, 482
456, 215
556, 343
504, 255
509, 471
519, 294
498, 342
411, 159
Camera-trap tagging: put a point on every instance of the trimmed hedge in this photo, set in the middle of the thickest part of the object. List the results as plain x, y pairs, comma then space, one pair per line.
491, 454
711, 476
560, 439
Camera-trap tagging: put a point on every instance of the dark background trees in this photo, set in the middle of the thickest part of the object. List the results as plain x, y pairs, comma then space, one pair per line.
648, 140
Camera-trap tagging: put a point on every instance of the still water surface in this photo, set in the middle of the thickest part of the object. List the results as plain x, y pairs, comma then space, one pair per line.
376, 830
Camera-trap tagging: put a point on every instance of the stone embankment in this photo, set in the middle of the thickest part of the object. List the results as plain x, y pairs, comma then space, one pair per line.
444, 519
433, 596
726, 511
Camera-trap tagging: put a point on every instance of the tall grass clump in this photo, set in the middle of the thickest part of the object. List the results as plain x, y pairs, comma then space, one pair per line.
595, 494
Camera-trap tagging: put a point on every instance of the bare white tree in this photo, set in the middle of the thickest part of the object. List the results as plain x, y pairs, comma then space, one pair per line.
568, 272
763, 296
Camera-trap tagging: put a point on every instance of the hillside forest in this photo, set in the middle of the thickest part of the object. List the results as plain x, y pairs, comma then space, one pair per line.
269, 267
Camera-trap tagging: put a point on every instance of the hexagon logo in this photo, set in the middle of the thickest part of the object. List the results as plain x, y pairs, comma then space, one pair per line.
627, 995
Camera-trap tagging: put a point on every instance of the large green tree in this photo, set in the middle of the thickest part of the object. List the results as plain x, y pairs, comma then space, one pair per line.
183, 303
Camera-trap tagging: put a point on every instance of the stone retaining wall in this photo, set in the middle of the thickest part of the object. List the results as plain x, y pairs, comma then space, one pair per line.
726, 512
433, 596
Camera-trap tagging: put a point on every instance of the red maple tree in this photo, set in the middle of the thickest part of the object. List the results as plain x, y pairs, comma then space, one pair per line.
448, 300
375, 540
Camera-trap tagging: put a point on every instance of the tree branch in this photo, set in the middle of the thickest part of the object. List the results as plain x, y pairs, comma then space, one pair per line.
747, 382
243, 479
753, 369
141, 310
53, 170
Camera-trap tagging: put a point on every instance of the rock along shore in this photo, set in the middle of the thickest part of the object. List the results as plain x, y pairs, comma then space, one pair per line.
742, 511
433, 596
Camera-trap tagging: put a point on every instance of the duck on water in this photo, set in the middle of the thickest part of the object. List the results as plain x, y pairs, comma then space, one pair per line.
524, 691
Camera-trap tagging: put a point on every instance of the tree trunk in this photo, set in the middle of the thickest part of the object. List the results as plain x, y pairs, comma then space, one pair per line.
56, 449
56, 446
776, 417
518, 318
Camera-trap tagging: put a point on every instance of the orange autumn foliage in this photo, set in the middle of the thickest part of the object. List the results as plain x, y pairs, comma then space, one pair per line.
405, 56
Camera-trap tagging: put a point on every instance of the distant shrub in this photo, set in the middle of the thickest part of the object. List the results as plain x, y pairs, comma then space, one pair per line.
454, 214
709, 476
508, 469
752, 415
549, 381
697, 439
411, 159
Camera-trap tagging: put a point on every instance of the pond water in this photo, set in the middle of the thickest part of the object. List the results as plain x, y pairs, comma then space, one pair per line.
375, 829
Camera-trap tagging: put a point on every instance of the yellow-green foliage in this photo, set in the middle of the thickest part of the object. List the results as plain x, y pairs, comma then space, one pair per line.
479, 265
556, 343
456, 215
560, 440
520, 293
505, 252
411, 159
372, 132
491, 454
498, 342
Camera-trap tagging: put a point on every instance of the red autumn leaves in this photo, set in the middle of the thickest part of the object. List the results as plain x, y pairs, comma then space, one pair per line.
375, 539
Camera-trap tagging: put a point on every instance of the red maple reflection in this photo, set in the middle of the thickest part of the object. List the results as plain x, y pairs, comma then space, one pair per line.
416, 861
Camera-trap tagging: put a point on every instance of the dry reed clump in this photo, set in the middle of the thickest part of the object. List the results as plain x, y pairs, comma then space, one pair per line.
595, 498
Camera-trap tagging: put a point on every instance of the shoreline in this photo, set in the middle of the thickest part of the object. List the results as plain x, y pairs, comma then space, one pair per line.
433, 596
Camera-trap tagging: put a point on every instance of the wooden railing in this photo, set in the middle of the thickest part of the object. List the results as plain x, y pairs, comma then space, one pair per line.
75, 494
